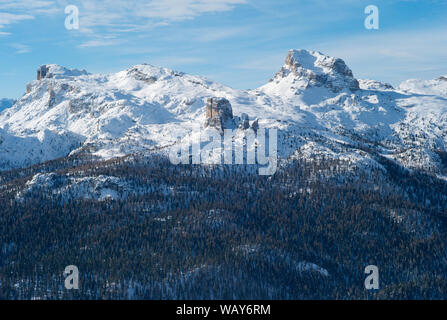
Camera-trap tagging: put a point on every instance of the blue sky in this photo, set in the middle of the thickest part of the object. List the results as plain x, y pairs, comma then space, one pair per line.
241, 43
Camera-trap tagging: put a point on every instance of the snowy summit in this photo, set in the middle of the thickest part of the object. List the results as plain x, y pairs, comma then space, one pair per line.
314, 101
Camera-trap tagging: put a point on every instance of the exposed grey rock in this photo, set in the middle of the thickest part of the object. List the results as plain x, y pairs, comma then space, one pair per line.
43, 72
53, 71
374, 85
78, 105
255, 125
318, 70
140, 76
244, 121
52, 98
219, 114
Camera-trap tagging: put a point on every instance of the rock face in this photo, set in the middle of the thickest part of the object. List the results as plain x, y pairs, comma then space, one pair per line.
219, 114
140, 76
42, 72
244, 121
374, 85
54, 71
255, 125
314, 69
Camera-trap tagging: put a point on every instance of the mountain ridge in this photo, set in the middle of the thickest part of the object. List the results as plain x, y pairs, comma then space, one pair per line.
146, 107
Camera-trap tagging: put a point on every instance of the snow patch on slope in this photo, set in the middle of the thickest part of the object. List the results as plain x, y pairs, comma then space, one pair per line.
430, 87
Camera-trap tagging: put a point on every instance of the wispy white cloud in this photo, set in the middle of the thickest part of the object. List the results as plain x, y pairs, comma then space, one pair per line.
185, 9
20, 48
15, 11
3, 33
10, 18
132, 15
216, 34
25, 5
99, 43
115, 16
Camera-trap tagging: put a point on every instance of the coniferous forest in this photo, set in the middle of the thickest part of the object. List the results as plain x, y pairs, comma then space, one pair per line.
197, 232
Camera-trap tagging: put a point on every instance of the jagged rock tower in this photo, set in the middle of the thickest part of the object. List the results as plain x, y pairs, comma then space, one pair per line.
219, 114
42, 72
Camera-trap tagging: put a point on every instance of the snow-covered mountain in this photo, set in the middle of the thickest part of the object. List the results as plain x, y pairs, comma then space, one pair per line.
315, 102
437, 86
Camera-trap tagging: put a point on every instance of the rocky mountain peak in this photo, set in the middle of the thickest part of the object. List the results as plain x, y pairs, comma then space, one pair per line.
219, 114
315, 69
62, 113
54, 71
317, 62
